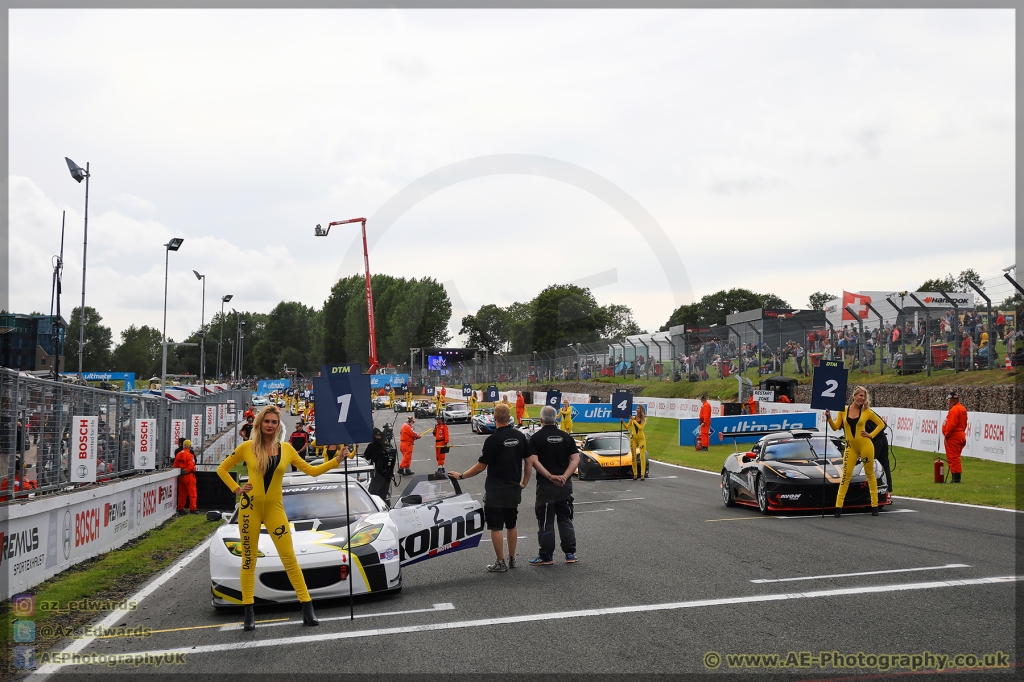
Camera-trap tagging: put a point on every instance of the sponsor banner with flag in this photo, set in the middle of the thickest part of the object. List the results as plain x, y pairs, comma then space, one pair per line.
901, 421
196, 430
83, 449
927, 427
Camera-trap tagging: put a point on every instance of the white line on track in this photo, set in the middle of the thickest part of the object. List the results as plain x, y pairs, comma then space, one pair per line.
561, 615
680, 466
447, 606
44, 671
521, 537
594, 511
850, 575
609, 492
958, 504
624, 499
828, 513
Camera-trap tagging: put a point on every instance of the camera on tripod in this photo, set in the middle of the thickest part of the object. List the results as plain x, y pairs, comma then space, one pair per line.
390, 452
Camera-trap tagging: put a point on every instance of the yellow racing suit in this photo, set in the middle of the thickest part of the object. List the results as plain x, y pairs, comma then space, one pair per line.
265, 506
565, 414
637, 447
858, 446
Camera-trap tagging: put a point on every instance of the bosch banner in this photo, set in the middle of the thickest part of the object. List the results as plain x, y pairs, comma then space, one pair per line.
196, 431
222, 414
178, 431
688, 428
211, 420
342, 404
145, 444
82, 467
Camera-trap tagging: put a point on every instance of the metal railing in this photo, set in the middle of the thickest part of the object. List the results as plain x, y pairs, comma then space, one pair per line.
35, 430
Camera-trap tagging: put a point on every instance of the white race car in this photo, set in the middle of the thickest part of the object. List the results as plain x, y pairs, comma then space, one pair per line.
432, 517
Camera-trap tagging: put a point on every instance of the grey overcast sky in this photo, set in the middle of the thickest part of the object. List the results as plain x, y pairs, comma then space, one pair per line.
788, 151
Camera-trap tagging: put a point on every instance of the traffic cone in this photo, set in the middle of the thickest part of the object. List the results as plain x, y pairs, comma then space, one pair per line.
1009, 365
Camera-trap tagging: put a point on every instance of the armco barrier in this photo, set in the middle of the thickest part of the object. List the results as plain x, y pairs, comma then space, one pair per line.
44, 536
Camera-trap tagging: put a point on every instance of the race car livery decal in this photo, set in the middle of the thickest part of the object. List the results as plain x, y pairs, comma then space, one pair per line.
448, 536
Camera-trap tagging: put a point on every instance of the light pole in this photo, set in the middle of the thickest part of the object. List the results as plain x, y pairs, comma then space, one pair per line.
202, 337
78, 174
172, 245
223, 299
241, 347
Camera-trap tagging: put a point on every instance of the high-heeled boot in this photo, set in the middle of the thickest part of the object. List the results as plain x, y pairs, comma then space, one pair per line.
308, 617
250, 618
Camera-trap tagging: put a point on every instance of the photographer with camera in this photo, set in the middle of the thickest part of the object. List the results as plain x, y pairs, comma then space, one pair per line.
381, 454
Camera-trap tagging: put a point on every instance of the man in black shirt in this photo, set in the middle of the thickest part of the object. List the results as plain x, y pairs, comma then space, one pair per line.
299, 439
553, 453
503, 454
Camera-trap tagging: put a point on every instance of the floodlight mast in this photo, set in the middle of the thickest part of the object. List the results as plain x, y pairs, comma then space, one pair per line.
322, 232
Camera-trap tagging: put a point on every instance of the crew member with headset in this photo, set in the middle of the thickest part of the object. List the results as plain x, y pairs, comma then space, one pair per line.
705, 422
299, 439
859, 444
406, 441
638, 441
441, 444
565, 416
267, 459
954, 431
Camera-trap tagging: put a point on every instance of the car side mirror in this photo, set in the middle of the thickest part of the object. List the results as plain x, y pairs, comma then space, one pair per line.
379, 502
749, 457
412, 499
213, 516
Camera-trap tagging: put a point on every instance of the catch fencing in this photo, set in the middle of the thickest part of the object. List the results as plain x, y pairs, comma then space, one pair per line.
36, 430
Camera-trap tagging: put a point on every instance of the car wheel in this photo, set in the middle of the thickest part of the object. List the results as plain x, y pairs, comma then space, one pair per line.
727, 497
762, 494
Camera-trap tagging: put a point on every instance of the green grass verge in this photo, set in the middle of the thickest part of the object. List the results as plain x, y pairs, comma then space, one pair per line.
112, 576
993, 484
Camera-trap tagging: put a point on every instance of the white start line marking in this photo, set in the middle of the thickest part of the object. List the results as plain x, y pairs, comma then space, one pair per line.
595, 511
555, 615
625, 499
849, 575
436, 607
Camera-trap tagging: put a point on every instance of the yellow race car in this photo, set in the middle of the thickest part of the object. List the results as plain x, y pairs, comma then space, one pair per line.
605, 455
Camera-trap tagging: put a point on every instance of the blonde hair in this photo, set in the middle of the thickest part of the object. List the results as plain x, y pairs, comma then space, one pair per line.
263, 453
501, 413
641, 414
867, 396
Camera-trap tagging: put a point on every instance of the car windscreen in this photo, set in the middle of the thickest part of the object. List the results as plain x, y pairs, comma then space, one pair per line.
431, 489
325, 500
458, 407
611, 443
801, 448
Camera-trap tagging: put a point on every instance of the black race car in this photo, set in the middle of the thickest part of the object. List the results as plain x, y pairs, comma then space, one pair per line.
606, 455
425, 409
783, 472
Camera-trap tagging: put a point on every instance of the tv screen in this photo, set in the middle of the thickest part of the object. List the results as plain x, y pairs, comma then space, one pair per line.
437, 363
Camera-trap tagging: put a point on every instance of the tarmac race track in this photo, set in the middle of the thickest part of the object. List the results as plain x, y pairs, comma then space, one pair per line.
666, 574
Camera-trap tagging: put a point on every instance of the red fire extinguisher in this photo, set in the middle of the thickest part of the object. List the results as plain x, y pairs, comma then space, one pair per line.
940, 470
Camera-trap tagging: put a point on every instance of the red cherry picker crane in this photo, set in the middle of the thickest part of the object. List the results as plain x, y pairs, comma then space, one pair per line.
322, 232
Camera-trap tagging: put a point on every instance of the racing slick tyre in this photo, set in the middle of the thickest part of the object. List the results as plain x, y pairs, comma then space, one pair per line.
762, 494
727, 497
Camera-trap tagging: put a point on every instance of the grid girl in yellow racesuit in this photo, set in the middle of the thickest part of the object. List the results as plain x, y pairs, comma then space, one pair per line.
565, 416
858, 444
267, 460
638, 441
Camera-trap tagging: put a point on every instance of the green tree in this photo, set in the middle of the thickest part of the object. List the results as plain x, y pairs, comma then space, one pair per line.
96, 357
714, 308
407, 314
287, 327
819, 299
621, 323
565, 313
951, 283
140, 351
488, 329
